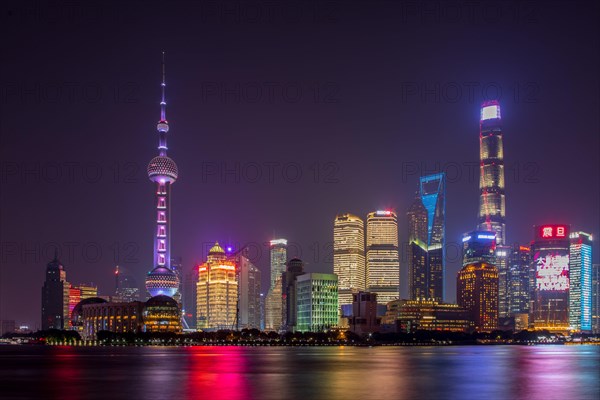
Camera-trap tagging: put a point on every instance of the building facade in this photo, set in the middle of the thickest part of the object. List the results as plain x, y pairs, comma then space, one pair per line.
274, 307
413, 315
550, 270
295, 267
349, 256
477, 292
382, 260
278, 253
427, 250
364, 313
249, 292
492, 211
55, 296
580, 281
417, 251
479, 246
518, 281
596, 298
189, 297
217, 292
317, 302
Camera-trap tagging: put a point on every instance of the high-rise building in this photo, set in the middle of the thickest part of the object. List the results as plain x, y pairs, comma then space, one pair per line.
55, 296
502, 262
596, 298
249, 291
278, 250
518, 280
349, 256
477, 291
217, 296
491, 177
163, 171
417, 251
317, 302
189, 297
294, 268
427, 249
550, 267
479, 246
274, 307
126, 289
580, 281
383, 263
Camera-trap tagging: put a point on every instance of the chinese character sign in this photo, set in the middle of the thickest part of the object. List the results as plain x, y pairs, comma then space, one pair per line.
552, 271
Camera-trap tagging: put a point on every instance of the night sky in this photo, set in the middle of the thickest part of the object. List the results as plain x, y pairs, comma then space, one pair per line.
324, 107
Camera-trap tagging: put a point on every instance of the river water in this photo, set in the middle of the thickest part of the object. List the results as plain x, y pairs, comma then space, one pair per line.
453, 372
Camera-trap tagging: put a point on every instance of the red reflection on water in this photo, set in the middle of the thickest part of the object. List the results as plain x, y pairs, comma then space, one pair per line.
64, 373
217, 372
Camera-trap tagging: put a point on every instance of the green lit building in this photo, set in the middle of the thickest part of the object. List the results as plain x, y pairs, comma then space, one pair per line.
316, 302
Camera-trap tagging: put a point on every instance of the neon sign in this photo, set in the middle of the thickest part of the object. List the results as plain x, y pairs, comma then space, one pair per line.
384, 213
553, 231
552, 271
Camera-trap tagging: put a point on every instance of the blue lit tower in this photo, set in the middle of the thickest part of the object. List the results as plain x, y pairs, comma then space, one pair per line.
580, 290
162, 170
432, 190
491, 176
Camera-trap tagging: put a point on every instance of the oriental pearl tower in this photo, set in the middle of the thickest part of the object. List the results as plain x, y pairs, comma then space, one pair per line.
162, 170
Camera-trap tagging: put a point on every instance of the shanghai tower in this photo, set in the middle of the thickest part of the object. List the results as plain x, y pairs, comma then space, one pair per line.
491, 176
162, 170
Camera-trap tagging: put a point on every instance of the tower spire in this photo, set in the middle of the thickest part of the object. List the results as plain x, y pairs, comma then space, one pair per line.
163, 103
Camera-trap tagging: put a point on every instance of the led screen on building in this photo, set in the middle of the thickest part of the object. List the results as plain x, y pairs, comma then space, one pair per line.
552, 270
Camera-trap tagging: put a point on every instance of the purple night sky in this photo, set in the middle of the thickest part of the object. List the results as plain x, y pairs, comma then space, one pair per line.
325, 107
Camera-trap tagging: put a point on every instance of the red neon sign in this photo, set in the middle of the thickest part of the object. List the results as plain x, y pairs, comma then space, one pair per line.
553, 231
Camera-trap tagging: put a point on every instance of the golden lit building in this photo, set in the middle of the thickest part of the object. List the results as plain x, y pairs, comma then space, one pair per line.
274, 307
477, 291
161, 314
383, 263
349, 256
412, 315
217, 291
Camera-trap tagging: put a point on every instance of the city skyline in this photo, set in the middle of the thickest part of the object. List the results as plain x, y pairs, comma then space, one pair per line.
212, 130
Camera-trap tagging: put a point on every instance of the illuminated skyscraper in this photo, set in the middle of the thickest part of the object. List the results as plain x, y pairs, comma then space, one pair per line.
349, 256
217, 296
502, 262
274, 307
189, 297
491, 178
550, 268
417, 251
596, 298
317, 302
163, 171
55, 296
278, 259
479, 246
580, 277
383, 264
427, 239
518, 280
126, 289
477, 291
249, 291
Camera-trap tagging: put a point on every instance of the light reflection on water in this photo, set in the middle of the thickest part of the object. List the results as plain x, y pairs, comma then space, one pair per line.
469, 372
